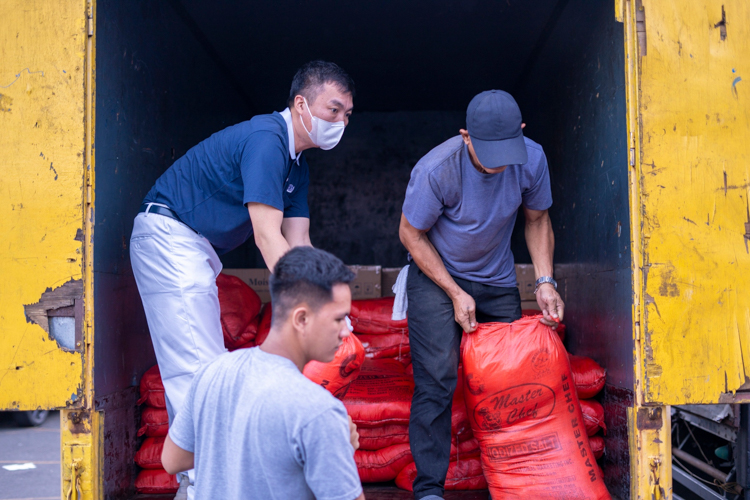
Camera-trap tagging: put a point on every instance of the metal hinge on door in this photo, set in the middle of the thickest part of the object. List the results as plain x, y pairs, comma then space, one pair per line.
90, 26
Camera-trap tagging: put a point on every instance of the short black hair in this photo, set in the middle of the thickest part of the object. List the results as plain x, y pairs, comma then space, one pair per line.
305, 274
309, 80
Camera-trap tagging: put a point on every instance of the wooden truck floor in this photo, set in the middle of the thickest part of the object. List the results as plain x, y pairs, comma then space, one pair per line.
384, 491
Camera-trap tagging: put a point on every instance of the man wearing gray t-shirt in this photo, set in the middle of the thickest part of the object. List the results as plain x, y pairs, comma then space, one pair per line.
460, 208
252, 425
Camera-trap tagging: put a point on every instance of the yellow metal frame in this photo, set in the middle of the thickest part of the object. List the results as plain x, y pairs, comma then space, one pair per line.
649, 427
46, 217
42, 78
81, 430
692, 210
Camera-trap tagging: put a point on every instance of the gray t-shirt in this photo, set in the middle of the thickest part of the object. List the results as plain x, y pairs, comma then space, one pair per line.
261, 430
470, 215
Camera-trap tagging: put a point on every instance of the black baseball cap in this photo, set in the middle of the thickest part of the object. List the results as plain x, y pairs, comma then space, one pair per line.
493, 121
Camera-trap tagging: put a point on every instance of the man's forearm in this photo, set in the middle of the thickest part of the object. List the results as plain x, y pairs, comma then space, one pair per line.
272, 247
428, 259
540, 240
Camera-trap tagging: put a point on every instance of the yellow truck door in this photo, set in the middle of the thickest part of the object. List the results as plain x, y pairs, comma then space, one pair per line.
689, 103
44, 205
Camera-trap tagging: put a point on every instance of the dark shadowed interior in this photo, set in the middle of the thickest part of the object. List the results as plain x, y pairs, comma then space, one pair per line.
170, 73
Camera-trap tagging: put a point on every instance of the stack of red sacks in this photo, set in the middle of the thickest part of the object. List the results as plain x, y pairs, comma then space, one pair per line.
244, 324
589, 378
153, 479
379, 402
380, 335
240, 321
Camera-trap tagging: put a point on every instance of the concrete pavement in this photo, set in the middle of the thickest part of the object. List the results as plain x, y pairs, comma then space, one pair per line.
39, 445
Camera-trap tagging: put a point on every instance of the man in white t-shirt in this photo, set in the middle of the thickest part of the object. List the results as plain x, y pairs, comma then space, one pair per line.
252, 425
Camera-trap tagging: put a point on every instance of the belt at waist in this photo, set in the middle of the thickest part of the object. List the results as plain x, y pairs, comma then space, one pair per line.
151, 208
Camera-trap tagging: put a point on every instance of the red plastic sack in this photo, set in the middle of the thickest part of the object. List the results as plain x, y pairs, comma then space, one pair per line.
382, 465
588, 375
240, 308
524, 411
597, 446
339, 374
387, 345
149, 455
465, 449
462, 475
373, 316
154, 422
377, 438
264, 325
152, 389
155, 482
593, 416
560, 326
381, 394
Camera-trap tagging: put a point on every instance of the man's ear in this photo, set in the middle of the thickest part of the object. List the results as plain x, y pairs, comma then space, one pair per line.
299, 104
300, 317
465, 136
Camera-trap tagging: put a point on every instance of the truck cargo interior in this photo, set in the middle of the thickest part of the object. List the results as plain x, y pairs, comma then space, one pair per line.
169, 74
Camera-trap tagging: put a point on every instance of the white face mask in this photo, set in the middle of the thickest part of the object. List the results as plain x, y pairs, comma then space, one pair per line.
324, 134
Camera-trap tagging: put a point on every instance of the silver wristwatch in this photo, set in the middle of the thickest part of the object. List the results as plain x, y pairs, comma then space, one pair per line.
543, 280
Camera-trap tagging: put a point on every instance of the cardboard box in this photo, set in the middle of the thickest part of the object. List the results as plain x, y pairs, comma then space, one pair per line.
526, 281
373, 282
389, 279
256, 278
530, 305
367, 284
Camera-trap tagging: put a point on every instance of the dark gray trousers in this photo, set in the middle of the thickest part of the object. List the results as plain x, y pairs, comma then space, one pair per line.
435, 339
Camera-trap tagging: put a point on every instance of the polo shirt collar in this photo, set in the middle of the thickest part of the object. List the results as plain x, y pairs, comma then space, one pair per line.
287, 115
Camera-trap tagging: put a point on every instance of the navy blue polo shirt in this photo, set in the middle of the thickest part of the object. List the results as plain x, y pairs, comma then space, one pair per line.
248, 162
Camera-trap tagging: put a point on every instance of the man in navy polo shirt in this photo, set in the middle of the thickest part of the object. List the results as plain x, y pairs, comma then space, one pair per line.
460, 208
250, 179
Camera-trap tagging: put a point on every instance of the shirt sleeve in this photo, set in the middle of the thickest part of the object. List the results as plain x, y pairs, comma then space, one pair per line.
424, 201
539, 195
298, 198
182, 429
263, 163
328, 457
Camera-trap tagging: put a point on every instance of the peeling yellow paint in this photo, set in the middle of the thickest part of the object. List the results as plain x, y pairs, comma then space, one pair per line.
650, 442
81, 435
694, 164
42, 49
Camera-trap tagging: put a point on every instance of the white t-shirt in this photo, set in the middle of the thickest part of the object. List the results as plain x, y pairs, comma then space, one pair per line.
260, 429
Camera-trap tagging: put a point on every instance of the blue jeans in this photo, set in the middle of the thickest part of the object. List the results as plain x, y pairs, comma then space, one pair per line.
435, 339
